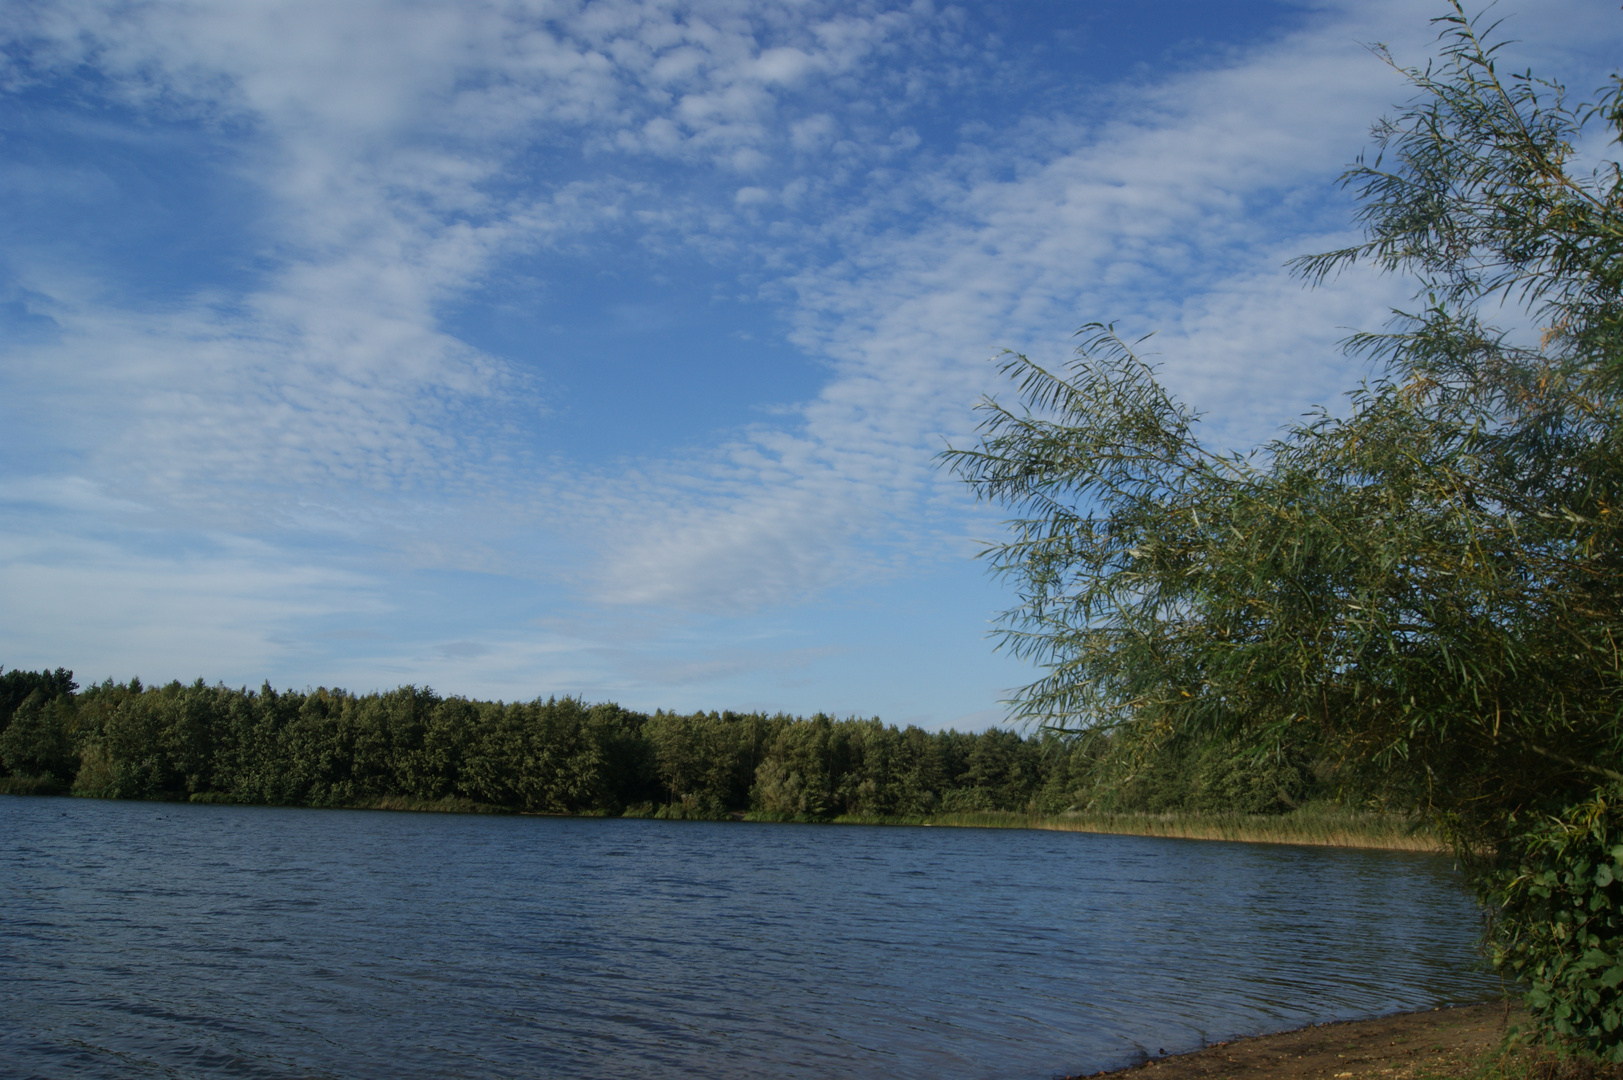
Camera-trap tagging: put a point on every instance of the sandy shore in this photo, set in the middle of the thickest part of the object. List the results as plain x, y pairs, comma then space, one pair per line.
1439, 1043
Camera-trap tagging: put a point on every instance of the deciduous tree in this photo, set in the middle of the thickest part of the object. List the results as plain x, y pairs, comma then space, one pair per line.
1427, 589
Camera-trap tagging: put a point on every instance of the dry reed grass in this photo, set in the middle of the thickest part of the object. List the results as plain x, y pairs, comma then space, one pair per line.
448, 805
1330, 827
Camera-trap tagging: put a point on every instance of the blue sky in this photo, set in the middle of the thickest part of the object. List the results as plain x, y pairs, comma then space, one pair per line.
544, 347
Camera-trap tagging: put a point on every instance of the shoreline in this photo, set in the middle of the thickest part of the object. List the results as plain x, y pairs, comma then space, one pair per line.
1446, 1042
1309, 827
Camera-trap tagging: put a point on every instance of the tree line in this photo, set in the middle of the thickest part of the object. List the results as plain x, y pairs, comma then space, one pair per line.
328, 747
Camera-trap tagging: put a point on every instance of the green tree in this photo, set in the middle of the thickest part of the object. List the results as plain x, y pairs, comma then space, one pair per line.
706, 761
16, 687
41, 740
1425, 592
797, 778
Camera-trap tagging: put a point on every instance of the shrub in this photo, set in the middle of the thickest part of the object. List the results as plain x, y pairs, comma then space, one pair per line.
1560, 925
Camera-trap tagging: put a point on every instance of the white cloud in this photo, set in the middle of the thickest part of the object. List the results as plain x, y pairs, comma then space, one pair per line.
107, 610
404, 152
385, 137
1173, 216
1177, 215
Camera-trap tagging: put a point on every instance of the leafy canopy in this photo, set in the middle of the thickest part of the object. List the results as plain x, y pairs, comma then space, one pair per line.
1426, 590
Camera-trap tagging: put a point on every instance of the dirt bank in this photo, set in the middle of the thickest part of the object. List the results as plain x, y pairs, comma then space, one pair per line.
1440, 1043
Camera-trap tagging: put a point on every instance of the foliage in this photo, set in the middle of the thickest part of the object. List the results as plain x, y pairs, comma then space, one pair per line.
31, 785
15, 686
39, 741
1426, 589
41, 746
706, 762
1423, 594
411, 747
1561, 922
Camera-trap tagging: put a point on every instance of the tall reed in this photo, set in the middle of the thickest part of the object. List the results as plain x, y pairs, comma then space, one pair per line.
1313, 826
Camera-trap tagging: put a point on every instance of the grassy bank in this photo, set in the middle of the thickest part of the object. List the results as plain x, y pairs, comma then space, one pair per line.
1327, 826
447, 805
31, 785
1321, 826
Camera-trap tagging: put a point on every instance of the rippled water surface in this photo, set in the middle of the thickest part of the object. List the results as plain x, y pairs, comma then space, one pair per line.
142, 939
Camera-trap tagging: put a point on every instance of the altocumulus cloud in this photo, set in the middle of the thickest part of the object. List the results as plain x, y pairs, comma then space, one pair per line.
222, 453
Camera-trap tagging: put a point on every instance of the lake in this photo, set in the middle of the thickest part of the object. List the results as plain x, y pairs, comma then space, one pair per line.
154, 939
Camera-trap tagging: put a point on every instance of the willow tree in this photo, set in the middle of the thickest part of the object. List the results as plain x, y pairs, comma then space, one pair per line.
1426, 589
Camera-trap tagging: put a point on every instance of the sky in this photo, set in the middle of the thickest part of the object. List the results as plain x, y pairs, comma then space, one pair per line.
530, 348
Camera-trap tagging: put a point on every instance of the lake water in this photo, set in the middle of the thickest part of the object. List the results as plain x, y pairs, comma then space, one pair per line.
146, 939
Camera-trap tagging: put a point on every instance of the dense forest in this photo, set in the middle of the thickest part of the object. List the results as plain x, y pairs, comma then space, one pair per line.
563, 756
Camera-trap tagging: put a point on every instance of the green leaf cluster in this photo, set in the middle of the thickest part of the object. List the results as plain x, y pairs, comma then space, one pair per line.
1562, 912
